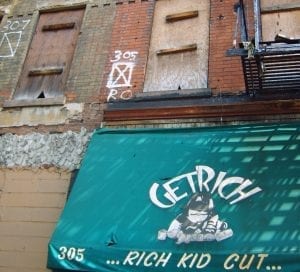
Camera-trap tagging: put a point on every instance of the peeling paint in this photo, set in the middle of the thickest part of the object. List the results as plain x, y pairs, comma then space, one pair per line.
34, 116
64, 150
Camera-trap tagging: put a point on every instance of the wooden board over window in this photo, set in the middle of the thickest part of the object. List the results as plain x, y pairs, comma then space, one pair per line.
48, 61
178, 57
280, 17
283, 23
277, 3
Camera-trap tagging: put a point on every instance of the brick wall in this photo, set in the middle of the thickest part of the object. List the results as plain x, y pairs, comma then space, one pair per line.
225, 73
31, 202
18, 29
91, 54
21, 8
84, 80
131, 33
113, 42
129, 48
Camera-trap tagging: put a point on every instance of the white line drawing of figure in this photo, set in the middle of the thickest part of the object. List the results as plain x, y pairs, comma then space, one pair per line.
197, 223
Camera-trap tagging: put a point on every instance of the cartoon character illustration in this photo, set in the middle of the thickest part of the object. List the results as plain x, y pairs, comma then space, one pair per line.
198, 222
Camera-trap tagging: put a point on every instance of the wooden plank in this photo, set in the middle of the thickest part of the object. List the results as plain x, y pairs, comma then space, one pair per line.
53, 49
185, 48
174, 68
55, 27
281, 26
280, 8
181, 16
45, 71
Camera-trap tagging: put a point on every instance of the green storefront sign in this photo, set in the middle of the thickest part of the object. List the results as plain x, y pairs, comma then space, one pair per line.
205, 199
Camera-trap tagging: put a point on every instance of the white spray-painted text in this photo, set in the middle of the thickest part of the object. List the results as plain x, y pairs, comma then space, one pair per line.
119, 79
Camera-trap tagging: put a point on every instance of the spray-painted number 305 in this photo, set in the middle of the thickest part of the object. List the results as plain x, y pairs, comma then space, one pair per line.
71, 253
128, 55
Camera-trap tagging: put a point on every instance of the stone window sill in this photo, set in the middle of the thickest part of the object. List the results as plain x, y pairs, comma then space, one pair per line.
34, 102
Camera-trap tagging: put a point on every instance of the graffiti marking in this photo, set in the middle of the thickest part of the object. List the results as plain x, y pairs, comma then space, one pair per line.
120, 75
12, 34
119, 79
128, 55
9, 43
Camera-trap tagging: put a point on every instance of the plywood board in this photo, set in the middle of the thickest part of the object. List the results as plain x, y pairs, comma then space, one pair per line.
285, 23
183, 70
53, 45
272, 3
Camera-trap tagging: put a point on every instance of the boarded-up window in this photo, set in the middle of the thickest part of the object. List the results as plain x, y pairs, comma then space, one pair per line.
50, 55
178, 57
280, 17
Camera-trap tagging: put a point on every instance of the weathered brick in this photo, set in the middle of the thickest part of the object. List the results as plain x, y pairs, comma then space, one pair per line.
221, 37
130, 34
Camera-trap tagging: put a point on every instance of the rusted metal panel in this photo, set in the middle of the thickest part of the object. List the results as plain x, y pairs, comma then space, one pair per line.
245, 109
50, 55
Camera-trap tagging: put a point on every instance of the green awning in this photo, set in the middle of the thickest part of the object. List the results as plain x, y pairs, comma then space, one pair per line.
201, 199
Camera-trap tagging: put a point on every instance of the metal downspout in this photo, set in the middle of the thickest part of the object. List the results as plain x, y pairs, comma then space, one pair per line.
257, 24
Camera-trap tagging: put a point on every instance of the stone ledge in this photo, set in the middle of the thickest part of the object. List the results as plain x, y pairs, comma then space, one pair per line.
34, 102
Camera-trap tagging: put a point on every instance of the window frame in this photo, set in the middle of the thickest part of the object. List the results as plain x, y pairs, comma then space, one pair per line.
158, 52
59, 99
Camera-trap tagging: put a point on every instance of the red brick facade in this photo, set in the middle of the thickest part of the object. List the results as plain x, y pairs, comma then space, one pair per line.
225, 74
129, 44
110, 61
